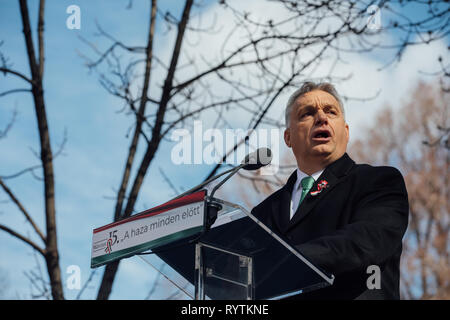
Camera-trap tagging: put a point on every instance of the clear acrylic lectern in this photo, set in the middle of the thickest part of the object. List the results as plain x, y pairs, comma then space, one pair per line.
237, 257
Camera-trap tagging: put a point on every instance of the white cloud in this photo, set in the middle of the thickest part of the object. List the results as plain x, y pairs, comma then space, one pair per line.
393, 84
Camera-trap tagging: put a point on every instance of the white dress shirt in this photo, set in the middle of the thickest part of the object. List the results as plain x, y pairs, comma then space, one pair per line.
297, 191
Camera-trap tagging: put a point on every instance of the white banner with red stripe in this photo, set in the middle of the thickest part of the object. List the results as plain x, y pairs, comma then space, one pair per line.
174, 220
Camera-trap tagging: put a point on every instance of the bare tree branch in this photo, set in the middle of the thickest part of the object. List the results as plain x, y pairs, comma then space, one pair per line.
13, 91
151, 148
46, 155
22, 209
41, 37
86, 284
139, 115
8, 127
38, 281
166, 178
16, 73
21, 237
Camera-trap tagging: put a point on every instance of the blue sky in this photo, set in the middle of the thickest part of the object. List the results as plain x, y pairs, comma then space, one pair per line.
86, 174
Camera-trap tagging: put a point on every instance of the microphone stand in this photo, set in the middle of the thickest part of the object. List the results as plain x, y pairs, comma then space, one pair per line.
213, 207
234, 170
204, 183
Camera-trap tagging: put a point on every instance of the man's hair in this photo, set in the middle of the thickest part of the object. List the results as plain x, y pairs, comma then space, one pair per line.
308, 87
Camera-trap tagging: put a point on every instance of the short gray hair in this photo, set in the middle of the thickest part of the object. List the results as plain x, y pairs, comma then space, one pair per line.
308, 87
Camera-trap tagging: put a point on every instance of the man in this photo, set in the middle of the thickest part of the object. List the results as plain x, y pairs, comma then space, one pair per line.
342, 216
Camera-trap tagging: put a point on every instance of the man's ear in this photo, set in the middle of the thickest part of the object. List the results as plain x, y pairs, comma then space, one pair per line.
287, 137
347, 131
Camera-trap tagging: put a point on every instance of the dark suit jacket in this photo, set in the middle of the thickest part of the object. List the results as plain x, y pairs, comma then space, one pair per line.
357, 221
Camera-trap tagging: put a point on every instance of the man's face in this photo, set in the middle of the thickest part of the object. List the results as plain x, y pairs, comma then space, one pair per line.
317, 132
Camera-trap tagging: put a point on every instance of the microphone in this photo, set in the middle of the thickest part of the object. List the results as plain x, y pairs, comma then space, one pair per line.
257, 159
252, 161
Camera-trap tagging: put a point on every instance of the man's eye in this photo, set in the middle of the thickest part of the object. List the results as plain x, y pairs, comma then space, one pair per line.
332, 111
306, 113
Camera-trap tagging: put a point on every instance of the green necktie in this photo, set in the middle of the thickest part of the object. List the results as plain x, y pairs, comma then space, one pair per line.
307, 184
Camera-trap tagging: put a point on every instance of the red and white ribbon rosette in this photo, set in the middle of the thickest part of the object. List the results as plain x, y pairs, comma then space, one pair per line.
320, 186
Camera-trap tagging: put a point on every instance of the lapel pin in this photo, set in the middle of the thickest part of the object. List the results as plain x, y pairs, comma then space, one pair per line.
320, 186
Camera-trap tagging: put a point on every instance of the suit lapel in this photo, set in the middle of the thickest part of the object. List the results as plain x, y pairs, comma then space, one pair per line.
281, 208
332, 174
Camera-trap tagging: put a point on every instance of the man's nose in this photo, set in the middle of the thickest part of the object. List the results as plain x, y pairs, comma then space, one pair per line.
321, 117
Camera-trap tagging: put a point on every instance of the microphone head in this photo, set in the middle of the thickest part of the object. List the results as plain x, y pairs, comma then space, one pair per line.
257, 159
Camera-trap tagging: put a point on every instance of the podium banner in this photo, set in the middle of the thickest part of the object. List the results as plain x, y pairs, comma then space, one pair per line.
174, 220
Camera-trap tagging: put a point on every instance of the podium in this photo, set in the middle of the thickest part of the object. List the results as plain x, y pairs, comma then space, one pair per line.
217, 246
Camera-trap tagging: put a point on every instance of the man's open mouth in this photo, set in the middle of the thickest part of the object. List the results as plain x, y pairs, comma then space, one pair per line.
321, 135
